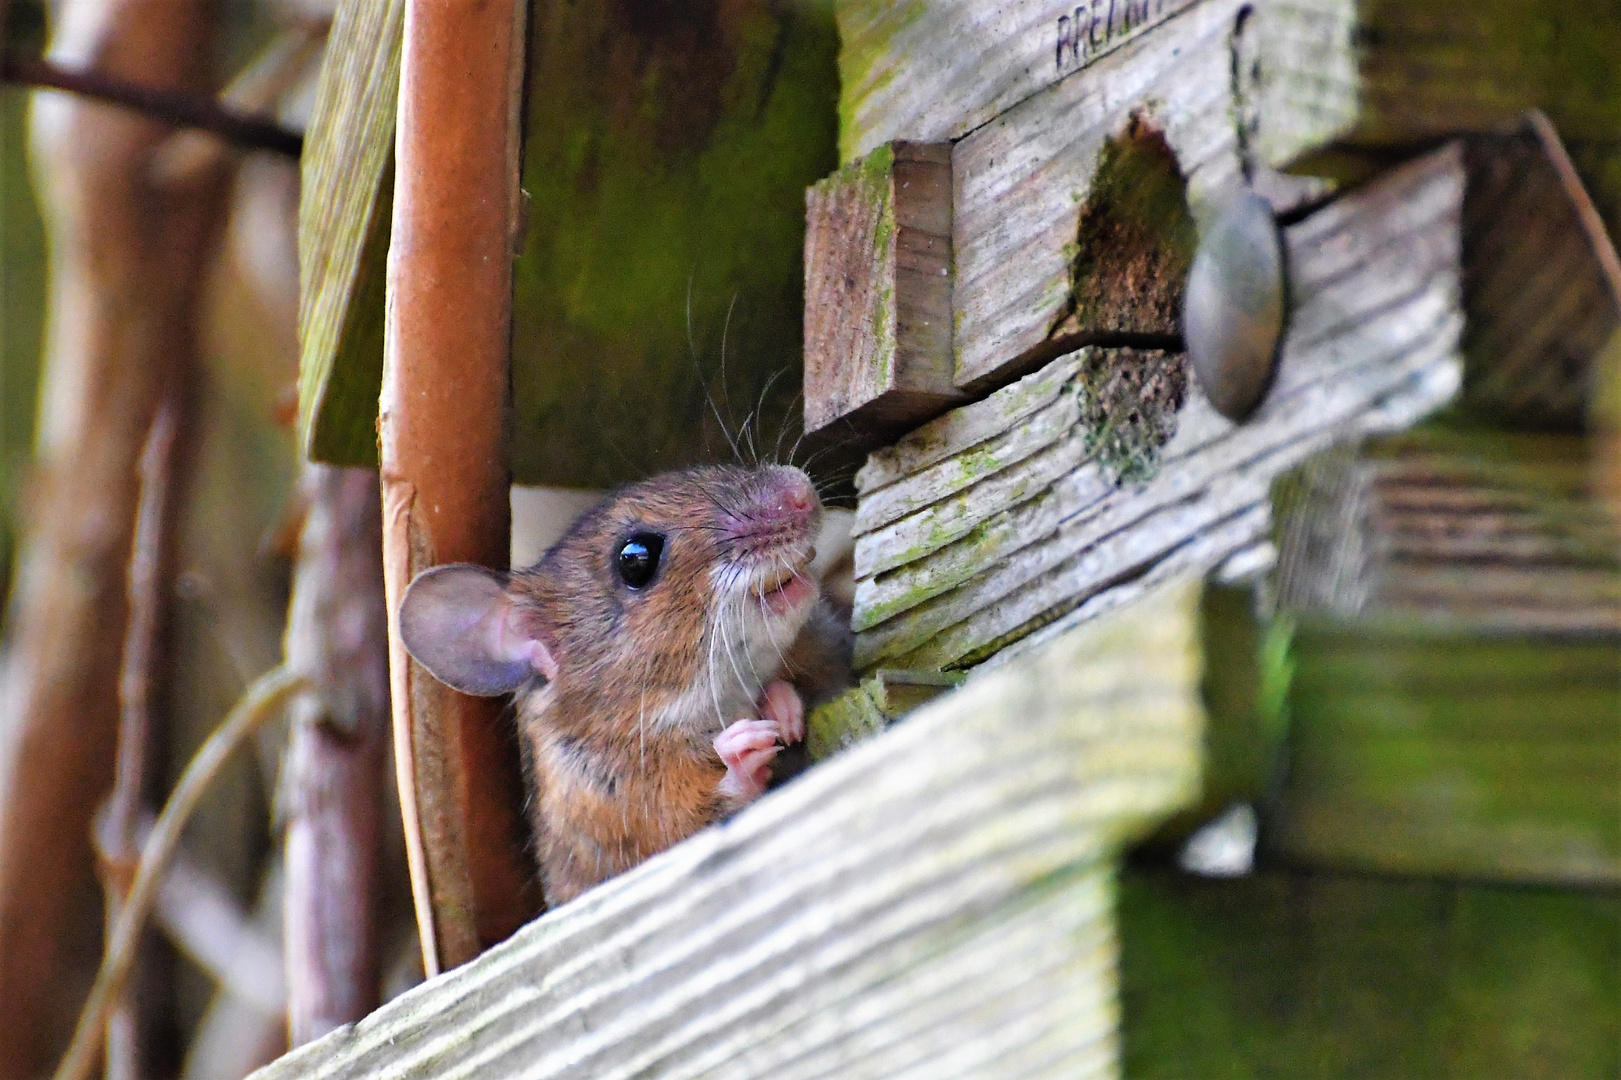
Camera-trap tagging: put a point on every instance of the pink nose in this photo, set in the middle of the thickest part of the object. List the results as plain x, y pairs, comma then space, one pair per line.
794, 494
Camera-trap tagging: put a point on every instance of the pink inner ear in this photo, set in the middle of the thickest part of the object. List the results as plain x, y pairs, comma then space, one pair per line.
512, 641
461, 624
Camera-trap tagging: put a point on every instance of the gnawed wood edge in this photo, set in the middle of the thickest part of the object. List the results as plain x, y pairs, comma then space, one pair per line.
984, 539
935, 902
343, 232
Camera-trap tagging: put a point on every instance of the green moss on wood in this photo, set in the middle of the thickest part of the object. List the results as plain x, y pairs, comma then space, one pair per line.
1436, 752
666, 162
847, 719
867, 708
867, 29
1317, 976
341, 409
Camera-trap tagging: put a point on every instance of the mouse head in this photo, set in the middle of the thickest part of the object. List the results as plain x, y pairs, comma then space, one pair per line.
673, 584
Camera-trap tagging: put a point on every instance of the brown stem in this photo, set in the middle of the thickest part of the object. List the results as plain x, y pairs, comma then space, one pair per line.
181, 110
116, 833
333, 774
445, 475
128, 258
257, 706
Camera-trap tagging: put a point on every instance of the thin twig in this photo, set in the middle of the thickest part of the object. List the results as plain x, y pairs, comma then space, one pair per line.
182, 110
257, 706
121, 814
256, 89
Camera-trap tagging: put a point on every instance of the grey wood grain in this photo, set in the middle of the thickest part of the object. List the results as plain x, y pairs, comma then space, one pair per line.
938, 70
1022, 179
964, 562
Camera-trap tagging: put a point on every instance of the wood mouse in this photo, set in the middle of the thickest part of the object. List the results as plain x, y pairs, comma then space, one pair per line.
662, 653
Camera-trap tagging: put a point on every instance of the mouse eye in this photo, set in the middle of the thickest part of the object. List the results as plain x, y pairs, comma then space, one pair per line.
638, 559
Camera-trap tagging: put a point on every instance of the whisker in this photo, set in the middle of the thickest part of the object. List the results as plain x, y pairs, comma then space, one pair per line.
793, 405
692, 350
725, 387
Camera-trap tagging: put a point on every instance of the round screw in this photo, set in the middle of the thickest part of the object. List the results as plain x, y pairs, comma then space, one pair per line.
1233, 310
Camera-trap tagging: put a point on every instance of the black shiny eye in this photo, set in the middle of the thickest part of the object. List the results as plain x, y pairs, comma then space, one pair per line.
638, 559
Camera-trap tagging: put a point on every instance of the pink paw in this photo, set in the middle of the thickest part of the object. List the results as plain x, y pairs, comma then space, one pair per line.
746, 749
780, 702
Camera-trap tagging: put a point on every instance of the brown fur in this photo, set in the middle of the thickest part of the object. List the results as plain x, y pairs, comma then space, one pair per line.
619, 746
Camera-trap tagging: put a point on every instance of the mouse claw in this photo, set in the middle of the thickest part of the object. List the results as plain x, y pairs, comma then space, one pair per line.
746, 749
781, 702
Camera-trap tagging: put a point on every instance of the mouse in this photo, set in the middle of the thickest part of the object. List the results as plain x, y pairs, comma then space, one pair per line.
662, 656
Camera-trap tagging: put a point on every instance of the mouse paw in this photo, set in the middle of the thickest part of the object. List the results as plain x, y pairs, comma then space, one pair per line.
746, 749
781, 702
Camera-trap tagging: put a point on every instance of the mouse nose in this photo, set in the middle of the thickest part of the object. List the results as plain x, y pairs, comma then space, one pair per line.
793, 494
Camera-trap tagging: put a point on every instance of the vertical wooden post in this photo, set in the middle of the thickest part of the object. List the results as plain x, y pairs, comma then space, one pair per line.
443, 427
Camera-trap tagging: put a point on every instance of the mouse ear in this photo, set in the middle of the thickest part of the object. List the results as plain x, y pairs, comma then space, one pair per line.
461, 624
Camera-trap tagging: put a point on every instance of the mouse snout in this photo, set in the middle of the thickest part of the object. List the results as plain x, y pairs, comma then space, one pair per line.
790, 495
776, 512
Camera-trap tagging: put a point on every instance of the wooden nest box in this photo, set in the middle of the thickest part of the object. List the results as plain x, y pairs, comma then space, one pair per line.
1067, 556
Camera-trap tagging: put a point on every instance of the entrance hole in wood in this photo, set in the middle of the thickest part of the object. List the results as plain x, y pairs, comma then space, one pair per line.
1134, 244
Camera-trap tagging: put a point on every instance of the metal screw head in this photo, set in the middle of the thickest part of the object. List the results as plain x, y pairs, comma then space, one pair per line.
1233, 309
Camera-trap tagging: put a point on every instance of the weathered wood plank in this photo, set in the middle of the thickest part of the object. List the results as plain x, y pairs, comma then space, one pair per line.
1508, 777
1542, 281
343, 231
1448, 533
962, 428
993, 538
878, 294
1378, 73
1023, 180
938, 70
934, 902
1456, 667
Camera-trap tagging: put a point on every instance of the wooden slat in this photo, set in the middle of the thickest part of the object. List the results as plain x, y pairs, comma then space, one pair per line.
1451, 535
1543, 284
932, 903
939, 70
1422, 70
1456, 667
1509, 776
343, 229
1291, 973
967, 538
1023, 179
878, 295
